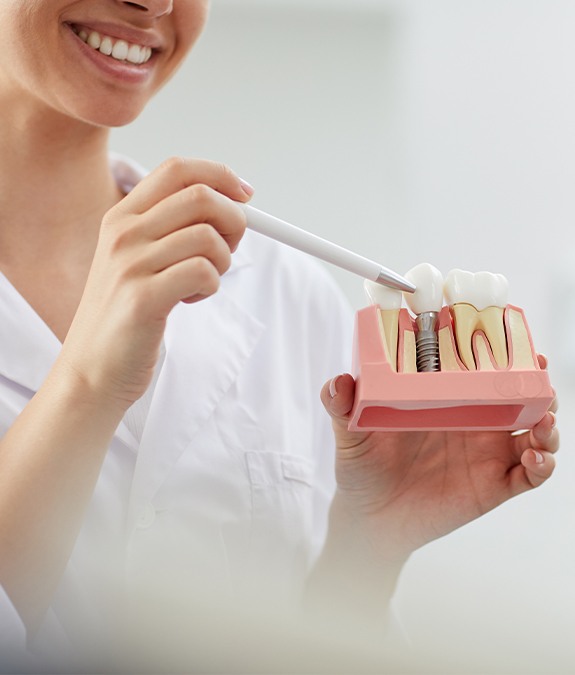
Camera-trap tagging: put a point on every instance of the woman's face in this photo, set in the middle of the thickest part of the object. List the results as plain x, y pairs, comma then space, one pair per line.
95, 60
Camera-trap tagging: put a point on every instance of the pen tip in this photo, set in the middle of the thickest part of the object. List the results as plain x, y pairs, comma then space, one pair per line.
393, 280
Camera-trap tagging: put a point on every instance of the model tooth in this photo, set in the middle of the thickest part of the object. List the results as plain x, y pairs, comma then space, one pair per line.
459, 287
489, 290
389, 301
429, 294
378, 294
478, 302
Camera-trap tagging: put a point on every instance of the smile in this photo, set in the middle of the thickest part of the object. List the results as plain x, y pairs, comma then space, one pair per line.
120, 50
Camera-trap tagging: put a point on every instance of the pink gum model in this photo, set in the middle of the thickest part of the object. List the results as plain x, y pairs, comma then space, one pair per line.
386, 400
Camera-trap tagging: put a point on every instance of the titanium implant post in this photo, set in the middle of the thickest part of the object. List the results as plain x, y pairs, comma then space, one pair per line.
427, 343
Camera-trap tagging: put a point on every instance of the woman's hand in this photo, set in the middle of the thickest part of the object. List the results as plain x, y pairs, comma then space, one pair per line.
167, 241
404, 489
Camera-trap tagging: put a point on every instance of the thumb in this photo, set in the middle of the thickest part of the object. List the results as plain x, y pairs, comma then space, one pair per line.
337, 396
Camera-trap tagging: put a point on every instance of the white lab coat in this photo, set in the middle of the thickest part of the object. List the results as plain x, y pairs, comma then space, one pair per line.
228, 491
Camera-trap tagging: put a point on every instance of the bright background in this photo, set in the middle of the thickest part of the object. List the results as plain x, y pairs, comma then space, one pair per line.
410, 131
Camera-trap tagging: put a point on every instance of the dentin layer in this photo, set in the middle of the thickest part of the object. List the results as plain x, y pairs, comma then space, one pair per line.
478, 303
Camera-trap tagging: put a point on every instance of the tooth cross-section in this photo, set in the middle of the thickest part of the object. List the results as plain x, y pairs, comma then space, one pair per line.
478, 302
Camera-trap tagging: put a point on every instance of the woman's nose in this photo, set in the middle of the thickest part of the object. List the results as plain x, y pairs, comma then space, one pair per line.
153, 8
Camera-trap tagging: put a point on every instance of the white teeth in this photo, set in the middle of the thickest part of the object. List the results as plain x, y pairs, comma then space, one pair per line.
429, 294
478, 302
106, 46
134, 54
120, 50
94, 40
117, 49
481, 290
378, 294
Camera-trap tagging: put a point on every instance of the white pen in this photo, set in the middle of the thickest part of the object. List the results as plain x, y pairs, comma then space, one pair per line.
293, 236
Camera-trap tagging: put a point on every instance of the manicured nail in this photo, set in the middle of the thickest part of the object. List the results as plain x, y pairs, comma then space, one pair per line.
246, 187
539, 459
333, 386
553, 420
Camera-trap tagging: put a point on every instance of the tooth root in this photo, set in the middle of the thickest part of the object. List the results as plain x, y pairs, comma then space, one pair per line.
406, 350
447, 351
390, 328
447, 356
465, 319
521, 349
482, 352
492, 324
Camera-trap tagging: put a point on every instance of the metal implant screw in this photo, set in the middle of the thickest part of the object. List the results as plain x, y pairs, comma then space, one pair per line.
427, 343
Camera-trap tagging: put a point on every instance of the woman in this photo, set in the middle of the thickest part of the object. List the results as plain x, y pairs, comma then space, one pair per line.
160, 370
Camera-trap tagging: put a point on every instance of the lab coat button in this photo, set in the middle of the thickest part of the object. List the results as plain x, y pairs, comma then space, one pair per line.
147, 517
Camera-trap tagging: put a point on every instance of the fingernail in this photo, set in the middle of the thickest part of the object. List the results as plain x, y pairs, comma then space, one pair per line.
553, 419
333, 386
539, 459
246, 187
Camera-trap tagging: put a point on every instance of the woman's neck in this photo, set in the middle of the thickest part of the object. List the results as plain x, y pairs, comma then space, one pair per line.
55, 185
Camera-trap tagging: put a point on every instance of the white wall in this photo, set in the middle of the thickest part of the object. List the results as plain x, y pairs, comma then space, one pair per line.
419, 130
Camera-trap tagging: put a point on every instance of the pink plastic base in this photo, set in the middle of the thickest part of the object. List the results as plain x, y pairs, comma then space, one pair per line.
467, 400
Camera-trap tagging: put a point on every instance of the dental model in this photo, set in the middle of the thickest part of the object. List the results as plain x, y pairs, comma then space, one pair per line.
468, 365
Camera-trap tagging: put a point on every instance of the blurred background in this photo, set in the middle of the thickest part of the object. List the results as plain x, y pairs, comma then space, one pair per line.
416, 131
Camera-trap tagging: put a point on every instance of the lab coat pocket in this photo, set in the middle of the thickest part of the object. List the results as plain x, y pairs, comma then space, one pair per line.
282, 513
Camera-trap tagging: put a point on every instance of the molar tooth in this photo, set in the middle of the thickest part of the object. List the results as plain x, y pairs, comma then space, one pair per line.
478, 302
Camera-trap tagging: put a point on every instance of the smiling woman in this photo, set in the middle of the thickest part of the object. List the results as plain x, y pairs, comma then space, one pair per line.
174, 437
50, 61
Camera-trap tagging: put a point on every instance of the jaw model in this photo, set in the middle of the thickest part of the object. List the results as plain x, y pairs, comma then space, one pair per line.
488, 378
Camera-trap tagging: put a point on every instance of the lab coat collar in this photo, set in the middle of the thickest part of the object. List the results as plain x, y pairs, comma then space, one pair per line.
28, 347
207, 346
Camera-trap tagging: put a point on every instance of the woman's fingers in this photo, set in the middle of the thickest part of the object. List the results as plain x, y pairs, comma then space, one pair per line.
538, 466
179, 173
535, 455
178, 219
543, 362
544, 436
196, 240
337, 396
189, 280
196, 204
